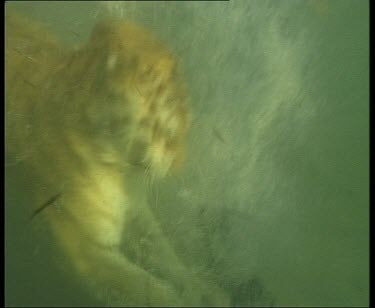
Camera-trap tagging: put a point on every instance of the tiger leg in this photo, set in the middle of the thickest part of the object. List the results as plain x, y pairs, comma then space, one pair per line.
91, 238
147, 243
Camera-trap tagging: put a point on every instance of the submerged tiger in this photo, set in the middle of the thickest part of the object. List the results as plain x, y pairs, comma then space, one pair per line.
93, 123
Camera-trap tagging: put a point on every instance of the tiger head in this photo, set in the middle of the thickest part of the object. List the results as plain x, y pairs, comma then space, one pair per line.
132, 99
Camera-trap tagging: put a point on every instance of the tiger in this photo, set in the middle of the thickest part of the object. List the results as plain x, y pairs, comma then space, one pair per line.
94, 124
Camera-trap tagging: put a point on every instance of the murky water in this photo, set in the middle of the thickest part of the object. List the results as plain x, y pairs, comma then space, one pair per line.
276, 186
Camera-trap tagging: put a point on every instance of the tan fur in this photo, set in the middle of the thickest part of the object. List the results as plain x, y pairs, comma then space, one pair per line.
93, 123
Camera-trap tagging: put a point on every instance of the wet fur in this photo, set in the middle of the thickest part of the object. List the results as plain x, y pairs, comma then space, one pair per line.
93, 124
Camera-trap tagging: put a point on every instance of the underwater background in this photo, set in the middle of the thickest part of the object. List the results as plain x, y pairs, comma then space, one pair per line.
274, 197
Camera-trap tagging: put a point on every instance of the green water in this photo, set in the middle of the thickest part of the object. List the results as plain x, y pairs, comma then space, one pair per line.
282, 195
